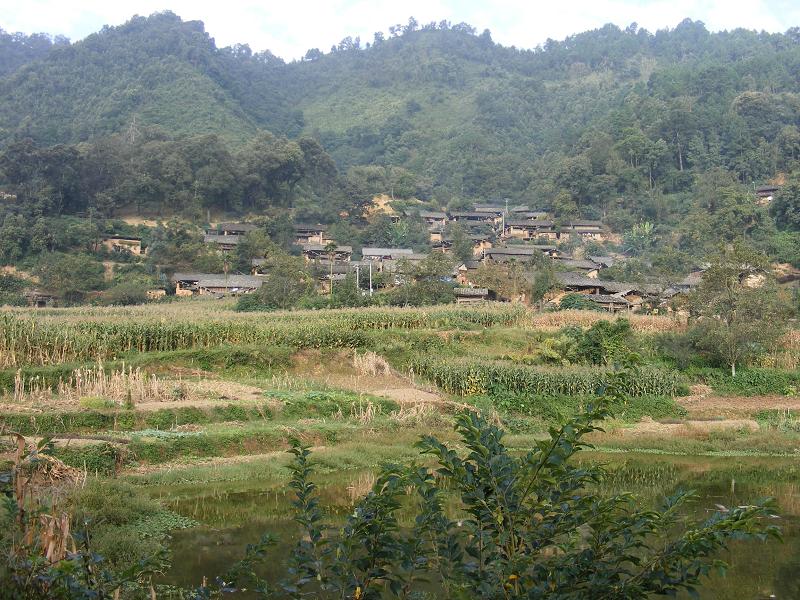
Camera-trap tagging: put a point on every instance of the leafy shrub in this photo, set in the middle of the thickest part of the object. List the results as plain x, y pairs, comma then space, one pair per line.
96, 402
557, 409
577, 302
125, 294
112, 502
749, 382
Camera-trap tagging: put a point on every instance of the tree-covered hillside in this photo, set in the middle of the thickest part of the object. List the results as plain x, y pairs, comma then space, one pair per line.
672, 128
631, 109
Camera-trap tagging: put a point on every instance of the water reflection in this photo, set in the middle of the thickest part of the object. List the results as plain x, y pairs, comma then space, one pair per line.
235, 515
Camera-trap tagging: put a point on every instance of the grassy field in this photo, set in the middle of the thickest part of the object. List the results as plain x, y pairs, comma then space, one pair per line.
190, 394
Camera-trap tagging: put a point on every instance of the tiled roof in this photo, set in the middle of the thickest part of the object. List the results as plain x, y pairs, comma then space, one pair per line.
219, 280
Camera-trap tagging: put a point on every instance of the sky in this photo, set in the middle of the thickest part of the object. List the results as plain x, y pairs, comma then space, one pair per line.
290, 27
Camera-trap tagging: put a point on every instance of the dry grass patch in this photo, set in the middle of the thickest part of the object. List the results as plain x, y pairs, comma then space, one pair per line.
586, 318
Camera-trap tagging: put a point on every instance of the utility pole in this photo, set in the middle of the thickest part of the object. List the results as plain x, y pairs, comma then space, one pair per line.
503, 230
370, 279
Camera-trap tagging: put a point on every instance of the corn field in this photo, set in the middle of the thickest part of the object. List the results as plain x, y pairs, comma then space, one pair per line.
30, 341
586, 318
465, 378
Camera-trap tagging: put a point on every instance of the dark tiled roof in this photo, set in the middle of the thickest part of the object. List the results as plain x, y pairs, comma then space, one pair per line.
219, 280
243, 227
607, 299
474, 214
578, 264
432, 214
321, 248
213, 238
615, 287
386, 252
471, 291
513, 251
528, 223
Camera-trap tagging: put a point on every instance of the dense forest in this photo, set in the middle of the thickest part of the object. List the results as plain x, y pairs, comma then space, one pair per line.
671, 129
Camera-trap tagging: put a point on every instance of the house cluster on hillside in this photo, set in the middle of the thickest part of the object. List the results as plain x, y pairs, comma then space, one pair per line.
498, 236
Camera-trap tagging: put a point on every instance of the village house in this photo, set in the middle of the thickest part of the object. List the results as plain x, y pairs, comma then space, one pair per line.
257, 266
766, 193
511, 253
636, 294
603, 262
225, 243
480, 242
529, 229
587, 230
588, 268
310, 234
471, 295
492, 209
433, 218
119, 243
200, 284
474, 217
40, 299
611, 303
463, 272
385, 258
435, 233
318, 252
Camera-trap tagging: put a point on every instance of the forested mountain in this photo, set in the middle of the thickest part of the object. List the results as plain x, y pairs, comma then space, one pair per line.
151, 117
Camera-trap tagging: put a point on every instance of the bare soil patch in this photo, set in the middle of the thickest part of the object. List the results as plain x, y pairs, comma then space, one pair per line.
704, 403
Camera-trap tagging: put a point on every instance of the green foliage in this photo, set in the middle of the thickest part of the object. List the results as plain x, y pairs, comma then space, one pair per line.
125, 293
750, 381
97, 420
70, 276
737, 312
605, 342
785, 206
328, 404
95, 402
103, 459
781, 420
520, 530
467, 377
577, 302
182, 126
558, 409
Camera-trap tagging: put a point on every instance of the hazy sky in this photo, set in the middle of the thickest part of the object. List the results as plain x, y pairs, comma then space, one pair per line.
290, 27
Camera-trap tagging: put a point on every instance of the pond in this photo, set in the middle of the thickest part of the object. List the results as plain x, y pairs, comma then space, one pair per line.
234, 515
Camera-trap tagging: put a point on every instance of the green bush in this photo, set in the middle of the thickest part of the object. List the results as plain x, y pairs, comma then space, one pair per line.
112, 502
749, 382
95, 458
558, 409
577, 302
328, 403
96, 402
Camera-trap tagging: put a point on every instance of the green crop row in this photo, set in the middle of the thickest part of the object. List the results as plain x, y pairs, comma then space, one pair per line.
466, 378
91, 421
28, 341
